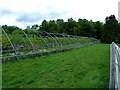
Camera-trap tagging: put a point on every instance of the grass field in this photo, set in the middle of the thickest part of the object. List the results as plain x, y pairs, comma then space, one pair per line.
87, 67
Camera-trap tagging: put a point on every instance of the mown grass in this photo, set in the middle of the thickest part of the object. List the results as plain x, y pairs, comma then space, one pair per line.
87, 67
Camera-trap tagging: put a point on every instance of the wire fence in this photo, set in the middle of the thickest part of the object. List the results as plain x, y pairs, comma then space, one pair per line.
114, 67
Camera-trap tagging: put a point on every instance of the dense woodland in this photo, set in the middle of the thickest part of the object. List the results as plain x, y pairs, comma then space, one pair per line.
107, 32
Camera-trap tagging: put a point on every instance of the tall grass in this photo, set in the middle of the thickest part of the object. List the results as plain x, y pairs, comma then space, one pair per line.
86, 67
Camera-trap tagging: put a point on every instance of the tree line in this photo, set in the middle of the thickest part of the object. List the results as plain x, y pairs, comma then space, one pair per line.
106, 32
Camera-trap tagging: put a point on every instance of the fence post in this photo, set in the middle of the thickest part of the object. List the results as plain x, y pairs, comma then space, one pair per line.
114, 67
112, 83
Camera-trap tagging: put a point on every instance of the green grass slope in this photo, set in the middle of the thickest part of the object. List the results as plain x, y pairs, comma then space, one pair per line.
87, 67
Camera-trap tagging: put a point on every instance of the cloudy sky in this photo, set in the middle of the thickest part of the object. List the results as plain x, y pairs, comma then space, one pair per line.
23, 13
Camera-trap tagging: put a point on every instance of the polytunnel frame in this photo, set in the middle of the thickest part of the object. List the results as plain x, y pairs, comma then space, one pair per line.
29, 40
11, 43
55, 39
25, 44
41, 37
52, 38
14, 46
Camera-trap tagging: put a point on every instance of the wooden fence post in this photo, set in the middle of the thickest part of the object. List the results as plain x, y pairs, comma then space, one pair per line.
114, 67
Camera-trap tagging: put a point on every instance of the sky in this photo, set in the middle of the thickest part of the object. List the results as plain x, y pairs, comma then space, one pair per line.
23, 13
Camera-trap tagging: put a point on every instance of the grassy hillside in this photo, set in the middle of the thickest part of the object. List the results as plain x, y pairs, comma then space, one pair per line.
87, 67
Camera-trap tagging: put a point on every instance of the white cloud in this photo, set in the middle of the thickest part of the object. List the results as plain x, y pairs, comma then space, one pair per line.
23, 12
